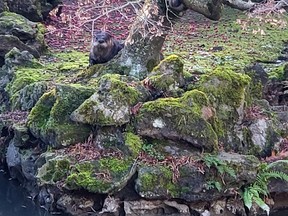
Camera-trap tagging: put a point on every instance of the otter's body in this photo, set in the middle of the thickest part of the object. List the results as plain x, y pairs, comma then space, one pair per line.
104, 48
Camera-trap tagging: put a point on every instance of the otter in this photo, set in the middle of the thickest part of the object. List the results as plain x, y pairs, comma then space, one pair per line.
104, 47
176, 5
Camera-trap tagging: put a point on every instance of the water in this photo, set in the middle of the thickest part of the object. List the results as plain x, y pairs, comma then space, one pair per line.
14, 200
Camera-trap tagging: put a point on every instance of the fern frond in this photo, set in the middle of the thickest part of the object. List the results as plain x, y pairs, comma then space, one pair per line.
262, 204
269, 166
275, 174
230, 172
247, 198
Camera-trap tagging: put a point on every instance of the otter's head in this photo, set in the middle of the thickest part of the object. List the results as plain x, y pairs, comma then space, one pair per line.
102, 40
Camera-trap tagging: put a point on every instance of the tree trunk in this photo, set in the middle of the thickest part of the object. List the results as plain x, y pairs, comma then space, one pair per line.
145, 40
212, 9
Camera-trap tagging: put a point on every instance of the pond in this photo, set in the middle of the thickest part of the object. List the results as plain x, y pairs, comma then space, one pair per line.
14, 200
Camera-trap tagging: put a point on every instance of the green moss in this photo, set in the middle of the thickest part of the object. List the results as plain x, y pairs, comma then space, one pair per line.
196, 99
133, 142
159, 179
68, 98
54, 170
83, 177
162, 82
50, 117
86, 180
9, 20
162, 104
181, 118
24, 77
277, 73
171, 60
85, 174
120, 90
225, 87
116, 167
40, 113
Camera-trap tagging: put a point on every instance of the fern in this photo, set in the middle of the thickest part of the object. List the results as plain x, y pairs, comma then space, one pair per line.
259, 188
214, 184
221, 166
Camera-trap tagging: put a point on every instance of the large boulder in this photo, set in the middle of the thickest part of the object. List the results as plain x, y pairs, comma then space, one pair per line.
34, 10
3, 6
226, 91
110, 104
173, 119
17, 31
50, 121
217, 178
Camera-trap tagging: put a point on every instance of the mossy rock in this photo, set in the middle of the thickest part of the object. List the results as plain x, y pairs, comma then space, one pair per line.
167, 77
109, 105
225, 87
159, 182
170, 119
30, 35
50, 117
156, 183
226, 91
89, 175
56, 168
133, 142
26, 98
17, 25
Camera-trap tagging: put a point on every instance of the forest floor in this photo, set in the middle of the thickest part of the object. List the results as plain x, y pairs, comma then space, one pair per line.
233, 42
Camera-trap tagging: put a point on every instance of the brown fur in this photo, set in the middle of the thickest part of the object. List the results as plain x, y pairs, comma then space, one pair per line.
104, 48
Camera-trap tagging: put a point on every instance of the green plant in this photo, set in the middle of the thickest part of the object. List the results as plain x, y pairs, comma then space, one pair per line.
151, 151
259, 189
214, 184
221, 166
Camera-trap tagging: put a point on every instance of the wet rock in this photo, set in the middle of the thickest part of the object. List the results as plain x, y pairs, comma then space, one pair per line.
13, 160
10, 41
21, 136
109, 105
46, 198
235, 206
50, 121
3, 6
111, 207
109, 137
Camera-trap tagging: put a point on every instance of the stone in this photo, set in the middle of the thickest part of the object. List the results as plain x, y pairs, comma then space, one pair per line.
50, 121
109, 105
17, 31
169, 118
